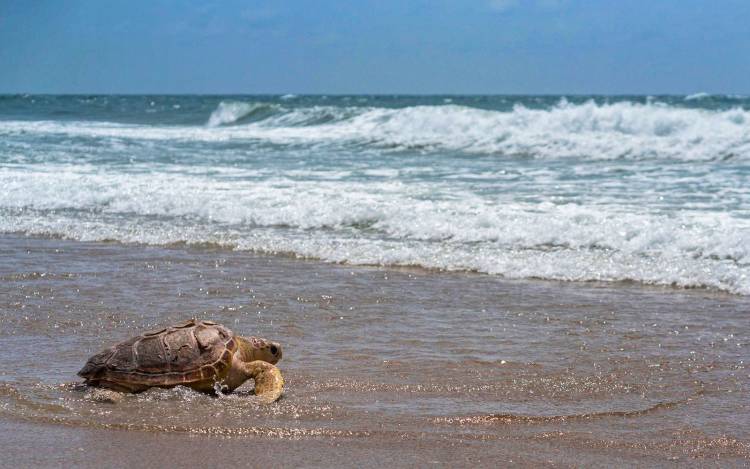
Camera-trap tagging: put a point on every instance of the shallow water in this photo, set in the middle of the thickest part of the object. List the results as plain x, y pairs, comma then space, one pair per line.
383, 366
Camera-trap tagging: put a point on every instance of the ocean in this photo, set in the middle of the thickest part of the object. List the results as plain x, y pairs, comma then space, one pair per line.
646, 189
456, 281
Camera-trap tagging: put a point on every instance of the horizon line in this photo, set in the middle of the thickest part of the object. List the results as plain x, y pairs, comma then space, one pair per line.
4, 94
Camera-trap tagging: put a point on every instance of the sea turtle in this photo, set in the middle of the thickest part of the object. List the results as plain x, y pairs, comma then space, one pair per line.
202, 355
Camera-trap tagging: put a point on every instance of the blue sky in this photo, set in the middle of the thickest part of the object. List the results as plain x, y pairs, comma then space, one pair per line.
375, 46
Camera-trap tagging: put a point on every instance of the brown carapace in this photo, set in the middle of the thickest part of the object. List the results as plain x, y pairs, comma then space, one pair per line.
202, 355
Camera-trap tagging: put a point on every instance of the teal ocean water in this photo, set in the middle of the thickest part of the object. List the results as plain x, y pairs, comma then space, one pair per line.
654, 190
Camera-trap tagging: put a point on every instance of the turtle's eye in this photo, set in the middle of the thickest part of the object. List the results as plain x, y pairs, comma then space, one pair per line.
274, 349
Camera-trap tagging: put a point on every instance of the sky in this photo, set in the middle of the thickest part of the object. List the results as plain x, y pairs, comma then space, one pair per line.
375, 46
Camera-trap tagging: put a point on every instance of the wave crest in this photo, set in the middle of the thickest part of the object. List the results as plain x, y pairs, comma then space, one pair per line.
589, 130
231, 112
622, 130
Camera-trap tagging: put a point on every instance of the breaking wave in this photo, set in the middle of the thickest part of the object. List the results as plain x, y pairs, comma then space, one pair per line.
622, 130
697, 96
231, 112
388, 223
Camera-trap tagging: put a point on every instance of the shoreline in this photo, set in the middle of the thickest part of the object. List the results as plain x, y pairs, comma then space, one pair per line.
412, 268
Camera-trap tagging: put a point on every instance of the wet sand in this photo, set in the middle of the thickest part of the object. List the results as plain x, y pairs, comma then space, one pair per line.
395, 367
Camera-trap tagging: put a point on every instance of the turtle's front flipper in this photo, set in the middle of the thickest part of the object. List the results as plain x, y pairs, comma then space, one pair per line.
269, 384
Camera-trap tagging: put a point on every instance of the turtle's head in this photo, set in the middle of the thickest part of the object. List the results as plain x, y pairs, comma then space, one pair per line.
255, 348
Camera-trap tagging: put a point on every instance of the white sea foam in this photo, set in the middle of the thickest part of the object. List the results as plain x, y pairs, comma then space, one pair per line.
385, 222
591, 131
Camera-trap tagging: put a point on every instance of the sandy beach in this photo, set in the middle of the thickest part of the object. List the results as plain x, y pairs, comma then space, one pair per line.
396, 367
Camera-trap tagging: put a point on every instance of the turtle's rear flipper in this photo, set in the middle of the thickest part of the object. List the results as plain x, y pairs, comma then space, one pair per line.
104, 395
269, 384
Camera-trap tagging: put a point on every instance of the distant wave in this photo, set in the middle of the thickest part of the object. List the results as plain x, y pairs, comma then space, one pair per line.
622, 130
233, 111
697, 96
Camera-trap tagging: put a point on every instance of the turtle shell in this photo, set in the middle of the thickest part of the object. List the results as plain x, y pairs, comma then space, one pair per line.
193, 353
